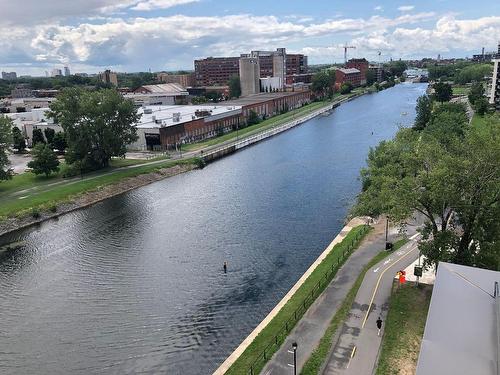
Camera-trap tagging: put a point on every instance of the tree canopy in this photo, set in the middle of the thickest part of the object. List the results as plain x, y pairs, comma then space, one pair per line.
443, 91
97, 124
423, 109
234, 87
44, 160
5, 141
449, 173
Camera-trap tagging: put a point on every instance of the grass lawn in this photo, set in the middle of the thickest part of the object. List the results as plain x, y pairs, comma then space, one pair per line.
276, 331
404, 329
318, 357
461, 90
482, 120
65, 192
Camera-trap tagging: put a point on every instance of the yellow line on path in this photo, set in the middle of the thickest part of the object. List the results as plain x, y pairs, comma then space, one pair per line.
378, 282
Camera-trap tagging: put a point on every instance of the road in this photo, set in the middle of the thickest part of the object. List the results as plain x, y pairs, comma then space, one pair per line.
358, 344
311, 328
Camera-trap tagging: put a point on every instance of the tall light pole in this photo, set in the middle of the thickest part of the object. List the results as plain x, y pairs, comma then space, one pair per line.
294, 347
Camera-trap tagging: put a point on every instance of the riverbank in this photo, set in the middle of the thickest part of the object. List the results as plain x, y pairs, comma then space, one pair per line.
32, 207
102, 188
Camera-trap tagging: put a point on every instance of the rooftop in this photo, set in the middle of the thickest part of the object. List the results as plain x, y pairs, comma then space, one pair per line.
349, 70
461, 333
165, 88
259, 98
163, 116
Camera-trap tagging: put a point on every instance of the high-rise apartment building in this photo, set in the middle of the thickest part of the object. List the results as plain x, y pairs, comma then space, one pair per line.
9, 75
494, 97
218, 71
215, 71
108, 77
56, 72
67, 73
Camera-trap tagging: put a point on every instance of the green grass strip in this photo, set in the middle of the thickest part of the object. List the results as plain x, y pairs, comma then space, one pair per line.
66, 192
319, 355
404, 329
272, 336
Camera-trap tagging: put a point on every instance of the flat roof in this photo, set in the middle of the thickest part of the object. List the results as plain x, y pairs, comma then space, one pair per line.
349, 70
165, 88
461, 331
259, 98
164, 115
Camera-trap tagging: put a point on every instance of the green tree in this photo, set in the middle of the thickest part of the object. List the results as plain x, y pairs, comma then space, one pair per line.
396, 68
481, 106
49, 135
18, 139
234, 87
37, 136
450, 178
442, 91
476, 92
253, 118
59, 142
475, 72
320, 83
423, 109
371, 77
5, 141
44, 160
346, 88
97, 124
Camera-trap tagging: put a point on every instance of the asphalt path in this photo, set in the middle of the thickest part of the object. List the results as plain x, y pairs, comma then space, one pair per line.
311, 328
357, 347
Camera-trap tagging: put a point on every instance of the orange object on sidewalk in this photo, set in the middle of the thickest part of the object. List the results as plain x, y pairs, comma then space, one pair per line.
402, 277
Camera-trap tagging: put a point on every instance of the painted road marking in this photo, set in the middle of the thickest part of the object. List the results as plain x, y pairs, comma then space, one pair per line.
376, 269
290, 365
378, 282
400, 252
352, 355
290, 351
387, 261
414, 236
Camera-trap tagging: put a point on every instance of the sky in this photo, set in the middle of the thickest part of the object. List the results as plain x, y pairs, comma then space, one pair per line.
141, 35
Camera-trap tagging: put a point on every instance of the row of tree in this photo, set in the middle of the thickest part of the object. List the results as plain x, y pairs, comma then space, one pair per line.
447, 172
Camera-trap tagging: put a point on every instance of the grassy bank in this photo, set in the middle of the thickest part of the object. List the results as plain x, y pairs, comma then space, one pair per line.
253, 129
68, 191
319, 356
271, 337
404, 329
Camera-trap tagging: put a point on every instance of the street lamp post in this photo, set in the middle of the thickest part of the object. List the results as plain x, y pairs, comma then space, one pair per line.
294, 347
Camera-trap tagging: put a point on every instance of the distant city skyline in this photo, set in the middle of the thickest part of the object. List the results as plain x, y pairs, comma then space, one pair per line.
138, 35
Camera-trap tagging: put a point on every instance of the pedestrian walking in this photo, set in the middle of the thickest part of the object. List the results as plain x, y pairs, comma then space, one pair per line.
379, 325
225, 267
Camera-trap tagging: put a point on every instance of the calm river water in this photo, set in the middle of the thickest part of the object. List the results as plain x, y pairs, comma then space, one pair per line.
135, 284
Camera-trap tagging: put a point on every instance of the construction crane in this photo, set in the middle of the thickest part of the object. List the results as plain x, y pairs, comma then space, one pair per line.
346, 47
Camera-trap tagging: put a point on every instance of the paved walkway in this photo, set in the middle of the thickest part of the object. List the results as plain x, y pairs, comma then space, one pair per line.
357, 347
311, 328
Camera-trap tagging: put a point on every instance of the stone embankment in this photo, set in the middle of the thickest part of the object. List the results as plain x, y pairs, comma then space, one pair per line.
91, 197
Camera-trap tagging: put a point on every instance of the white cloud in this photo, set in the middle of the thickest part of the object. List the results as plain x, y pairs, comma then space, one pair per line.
147, 5
173, 42
406, 8
378, 8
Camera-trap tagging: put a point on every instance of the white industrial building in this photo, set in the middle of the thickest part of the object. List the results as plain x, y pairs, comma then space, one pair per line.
188, 120
35, 119
162, 94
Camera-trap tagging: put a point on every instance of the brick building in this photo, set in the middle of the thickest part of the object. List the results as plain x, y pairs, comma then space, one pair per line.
185, 80
351, 75
360, 64
216, 71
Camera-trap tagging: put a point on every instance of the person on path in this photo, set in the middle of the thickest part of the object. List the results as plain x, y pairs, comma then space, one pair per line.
379, 325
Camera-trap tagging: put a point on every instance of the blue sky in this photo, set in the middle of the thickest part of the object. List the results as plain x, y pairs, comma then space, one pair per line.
137, 35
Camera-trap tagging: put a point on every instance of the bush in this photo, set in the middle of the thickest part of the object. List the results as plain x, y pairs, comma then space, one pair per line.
35, 213
346, 88
44, 160
53, 208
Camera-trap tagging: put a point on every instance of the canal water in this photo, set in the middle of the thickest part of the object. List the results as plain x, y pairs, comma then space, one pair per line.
135, 284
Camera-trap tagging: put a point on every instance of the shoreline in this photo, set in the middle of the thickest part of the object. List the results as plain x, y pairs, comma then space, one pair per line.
90, 198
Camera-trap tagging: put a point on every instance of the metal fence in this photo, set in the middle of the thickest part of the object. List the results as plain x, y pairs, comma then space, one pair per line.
281, 335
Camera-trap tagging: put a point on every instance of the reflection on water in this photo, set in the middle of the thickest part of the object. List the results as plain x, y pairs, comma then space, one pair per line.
135, 284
